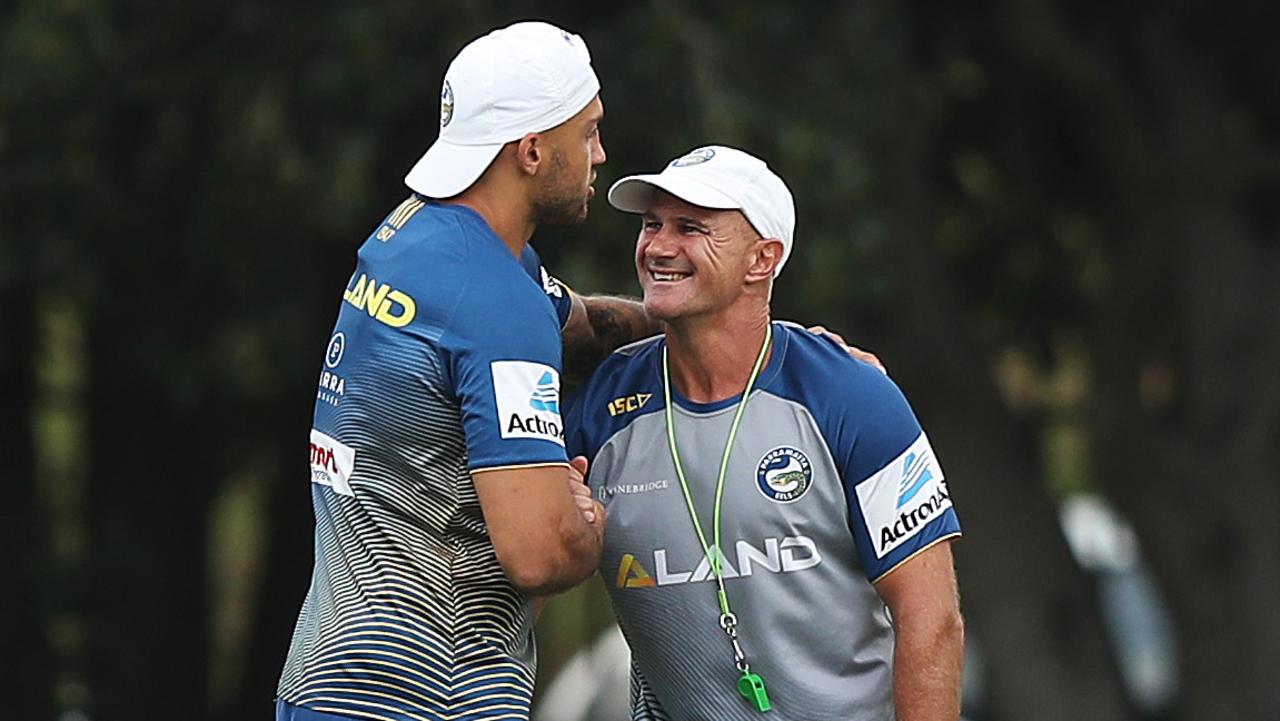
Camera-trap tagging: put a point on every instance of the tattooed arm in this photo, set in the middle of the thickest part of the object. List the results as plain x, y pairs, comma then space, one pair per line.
597, 325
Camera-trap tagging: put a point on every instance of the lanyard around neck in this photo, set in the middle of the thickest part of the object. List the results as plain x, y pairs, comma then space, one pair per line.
749, 685
712, 558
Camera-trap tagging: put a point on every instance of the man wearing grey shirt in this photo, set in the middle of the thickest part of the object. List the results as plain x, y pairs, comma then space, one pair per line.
779, 528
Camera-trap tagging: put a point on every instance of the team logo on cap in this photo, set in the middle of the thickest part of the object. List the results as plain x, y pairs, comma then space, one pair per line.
694, 157
784, 474
446, 104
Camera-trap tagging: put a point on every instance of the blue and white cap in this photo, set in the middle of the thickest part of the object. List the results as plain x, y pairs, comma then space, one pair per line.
524, 78
722, 178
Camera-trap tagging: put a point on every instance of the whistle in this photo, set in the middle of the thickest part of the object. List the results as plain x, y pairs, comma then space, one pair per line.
751, 686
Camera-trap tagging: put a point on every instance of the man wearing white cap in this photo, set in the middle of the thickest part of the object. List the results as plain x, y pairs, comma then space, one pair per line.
443, 496
768, 495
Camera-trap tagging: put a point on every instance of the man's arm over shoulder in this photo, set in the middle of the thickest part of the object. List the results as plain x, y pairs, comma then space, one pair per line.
600, 324
592, 326
928, 635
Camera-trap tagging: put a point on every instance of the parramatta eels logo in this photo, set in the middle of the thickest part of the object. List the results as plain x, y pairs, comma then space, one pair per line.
545, 396
784, 474
446, 104
694, 157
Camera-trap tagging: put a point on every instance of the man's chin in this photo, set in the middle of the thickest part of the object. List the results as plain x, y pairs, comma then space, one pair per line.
565, 219
660, 308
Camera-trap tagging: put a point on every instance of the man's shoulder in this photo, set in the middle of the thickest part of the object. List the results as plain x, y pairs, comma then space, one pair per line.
624, 388
855, 405
631, 365
636, 350
819, 371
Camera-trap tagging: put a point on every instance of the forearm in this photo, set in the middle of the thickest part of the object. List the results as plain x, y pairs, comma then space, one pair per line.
541, 538
581, 554
603, 324
927, 661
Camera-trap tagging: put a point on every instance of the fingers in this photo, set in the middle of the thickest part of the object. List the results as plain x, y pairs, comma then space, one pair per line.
863, 355
824, 331
598, 514
581, 493
587, 506
867, 357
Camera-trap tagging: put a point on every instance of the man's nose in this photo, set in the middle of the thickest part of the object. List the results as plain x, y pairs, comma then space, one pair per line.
662, 244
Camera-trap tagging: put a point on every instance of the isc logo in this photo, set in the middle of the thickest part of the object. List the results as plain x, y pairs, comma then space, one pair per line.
627, 404
382, 302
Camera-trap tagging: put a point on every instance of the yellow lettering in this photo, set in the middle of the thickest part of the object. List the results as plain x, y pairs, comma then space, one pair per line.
627, 404
408, 309
631, 574
355, 296
374, 296
381, 302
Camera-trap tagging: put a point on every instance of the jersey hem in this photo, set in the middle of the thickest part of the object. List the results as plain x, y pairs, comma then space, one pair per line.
545, 464
931, 544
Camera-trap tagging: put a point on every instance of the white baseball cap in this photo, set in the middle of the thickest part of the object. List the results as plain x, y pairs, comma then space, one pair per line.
722, 178
524, 78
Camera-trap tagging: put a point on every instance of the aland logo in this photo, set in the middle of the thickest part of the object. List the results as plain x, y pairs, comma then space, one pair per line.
784, 474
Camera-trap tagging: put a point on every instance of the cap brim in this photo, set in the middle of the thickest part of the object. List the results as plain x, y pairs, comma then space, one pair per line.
447, 169
634, 193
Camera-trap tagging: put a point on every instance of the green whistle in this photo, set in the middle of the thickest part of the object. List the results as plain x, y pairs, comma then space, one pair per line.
751, 686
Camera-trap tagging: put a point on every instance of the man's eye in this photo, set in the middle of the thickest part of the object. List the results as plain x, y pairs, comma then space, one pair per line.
652, 225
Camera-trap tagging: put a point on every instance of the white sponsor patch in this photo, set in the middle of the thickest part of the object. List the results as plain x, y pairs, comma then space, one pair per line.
331, 463
528, 400
903, 497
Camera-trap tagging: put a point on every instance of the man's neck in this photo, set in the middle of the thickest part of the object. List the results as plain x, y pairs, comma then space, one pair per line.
711, 357
505, 211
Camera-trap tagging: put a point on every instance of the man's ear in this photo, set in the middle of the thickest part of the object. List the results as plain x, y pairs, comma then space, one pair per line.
529, 152
767, 255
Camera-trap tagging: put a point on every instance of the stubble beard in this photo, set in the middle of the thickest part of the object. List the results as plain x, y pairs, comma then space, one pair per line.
563, 202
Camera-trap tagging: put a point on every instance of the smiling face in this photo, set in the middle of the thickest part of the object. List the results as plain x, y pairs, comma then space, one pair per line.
693, 261
575, 150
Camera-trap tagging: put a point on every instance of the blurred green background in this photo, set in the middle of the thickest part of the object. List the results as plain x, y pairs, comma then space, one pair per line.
1058, 223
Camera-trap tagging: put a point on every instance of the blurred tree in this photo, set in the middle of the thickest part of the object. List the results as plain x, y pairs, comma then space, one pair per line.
183, 186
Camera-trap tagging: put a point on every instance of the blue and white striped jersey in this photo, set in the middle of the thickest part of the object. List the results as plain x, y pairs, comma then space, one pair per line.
831, 484
445, 359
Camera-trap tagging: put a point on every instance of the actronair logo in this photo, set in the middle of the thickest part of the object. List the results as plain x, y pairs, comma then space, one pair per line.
775, 555
903, 497
546, 396
915, 474
527, 396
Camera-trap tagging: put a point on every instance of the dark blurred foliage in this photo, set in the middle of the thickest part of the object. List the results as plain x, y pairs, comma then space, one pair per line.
1052, 220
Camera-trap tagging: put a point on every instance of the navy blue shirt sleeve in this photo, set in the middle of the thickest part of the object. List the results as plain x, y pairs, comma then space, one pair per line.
504, 355
899, 503
557, 292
